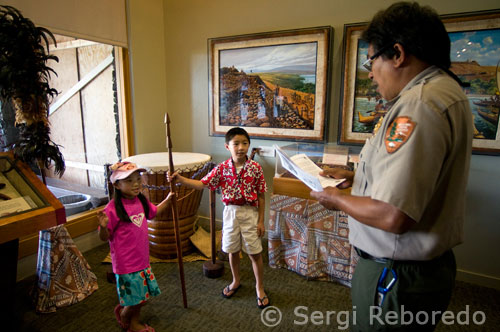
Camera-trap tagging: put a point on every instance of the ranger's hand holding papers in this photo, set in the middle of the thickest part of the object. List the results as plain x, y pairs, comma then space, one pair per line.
313, 176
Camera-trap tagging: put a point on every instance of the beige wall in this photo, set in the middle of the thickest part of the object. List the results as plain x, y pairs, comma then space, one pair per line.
168, 43
149, 80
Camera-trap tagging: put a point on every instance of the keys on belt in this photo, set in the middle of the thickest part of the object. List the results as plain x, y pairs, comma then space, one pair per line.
383, 290
382, 287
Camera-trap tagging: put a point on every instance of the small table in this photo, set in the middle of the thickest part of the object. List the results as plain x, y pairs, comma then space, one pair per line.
307, 238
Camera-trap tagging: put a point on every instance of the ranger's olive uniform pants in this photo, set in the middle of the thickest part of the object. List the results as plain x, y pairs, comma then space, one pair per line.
417, 300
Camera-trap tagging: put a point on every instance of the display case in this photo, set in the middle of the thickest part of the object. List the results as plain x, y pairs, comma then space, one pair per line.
304, 236
324, 155
26, 205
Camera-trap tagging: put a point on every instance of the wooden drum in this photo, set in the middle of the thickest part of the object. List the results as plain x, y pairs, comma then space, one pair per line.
156, 188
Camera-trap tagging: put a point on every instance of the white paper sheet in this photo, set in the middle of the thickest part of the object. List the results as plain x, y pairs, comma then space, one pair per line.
9, 189
306, 170
14, 205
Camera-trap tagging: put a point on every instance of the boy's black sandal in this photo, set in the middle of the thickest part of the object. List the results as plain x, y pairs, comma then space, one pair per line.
230, 292
261, 301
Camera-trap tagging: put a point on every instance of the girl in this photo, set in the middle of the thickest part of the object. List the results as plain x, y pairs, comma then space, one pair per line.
124, 224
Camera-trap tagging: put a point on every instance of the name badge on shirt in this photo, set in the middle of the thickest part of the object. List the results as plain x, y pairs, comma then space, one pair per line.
398, 132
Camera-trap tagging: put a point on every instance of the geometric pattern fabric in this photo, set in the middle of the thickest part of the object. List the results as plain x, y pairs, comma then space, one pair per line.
310, 240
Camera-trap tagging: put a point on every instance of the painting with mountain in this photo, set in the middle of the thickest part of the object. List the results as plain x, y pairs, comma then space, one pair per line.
273, 87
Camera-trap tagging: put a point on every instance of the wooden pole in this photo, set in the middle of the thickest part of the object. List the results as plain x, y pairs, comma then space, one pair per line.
212, 224
213, 268
175, 212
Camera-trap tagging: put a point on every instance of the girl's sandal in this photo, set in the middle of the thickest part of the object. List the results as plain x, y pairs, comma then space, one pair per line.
118, 310
146, 329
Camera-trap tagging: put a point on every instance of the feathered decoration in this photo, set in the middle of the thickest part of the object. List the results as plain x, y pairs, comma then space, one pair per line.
24, 81
35, 145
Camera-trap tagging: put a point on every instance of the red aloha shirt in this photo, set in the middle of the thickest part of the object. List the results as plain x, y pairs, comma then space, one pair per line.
237, 189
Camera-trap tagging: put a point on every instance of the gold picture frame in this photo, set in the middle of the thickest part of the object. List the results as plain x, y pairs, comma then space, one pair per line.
359, 112
273, 84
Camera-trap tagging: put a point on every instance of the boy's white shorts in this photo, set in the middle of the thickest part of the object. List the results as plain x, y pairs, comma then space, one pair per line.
239, 229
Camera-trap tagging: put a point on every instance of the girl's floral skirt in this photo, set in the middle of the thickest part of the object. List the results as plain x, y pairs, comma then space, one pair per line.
137, 287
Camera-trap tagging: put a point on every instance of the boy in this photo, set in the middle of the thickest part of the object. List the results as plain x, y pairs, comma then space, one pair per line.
243, 186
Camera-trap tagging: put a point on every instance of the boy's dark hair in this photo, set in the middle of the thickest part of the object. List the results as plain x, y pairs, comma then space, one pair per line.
236, 131
120, 209
418, 28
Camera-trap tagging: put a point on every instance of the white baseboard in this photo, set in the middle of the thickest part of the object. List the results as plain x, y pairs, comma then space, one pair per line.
26, 266
478, 279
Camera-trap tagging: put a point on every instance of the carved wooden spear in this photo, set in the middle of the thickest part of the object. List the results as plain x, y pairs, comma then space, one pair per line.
175, 212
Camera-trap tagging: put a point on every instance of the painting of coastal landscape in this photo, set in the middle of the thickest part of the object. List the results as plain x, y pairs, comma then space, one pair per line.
274, 84
475, 56
475, 59
361, 106
368, 103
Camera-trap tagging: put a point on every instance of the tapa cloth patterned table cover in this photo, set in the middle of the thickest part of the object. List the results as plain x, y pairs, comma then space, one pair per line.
63, 275
307, 238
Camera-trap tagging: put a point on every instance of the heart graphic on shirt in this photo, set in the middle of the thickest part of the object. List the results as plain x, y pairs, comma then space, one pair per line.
137, 219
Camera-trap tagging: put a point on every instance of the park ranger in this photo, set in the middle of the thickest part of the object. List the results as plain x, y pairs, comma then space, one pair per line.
406, 207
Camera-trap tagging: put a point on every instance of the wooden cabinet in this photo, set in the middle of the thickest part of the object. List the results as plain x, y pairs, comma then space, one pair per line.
26, 207
303, 236
32, 206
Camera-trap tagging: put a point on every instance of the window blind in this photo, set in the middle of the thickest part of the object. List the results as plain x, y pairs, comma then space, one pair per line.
102, 21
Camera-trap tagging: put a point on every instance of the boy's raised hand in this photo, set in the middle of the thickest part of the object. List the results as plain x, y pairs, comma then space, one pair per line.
173, 176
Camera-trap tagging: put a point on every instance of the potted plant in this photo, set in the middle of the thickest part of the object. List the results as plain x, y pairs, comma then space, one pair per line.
24, 82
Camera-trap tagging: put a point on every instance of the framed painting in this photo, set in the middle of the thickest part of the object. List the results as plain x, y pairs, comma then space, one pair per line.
475, 58
358, 96
273, 84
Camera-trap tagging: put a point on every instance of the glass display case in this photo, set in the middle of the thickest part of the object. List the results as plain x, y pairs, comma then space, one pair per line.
304, 236
324, 155
26, 205
17, 194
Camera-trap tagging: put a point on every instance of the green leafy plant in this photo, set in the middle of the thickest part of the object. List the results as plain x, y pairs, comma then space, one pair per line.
24, 81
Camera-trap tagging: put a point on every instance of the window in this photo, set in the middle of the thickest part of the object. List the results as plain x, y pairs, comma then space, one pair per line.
88, 118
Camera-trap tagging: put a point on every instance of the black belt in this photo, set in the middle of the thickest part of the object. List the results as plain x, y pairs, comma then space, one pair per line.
436, 260
366, 255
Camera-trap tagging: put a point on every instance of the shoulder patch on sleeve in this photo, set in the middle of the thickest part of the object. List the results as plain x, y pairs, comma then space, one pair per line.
398, 132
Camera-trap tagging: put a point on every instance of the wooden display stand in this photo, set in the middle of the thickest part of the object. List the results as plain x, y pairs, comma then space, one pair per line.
49, 211
44, 211
291, 186
307, 238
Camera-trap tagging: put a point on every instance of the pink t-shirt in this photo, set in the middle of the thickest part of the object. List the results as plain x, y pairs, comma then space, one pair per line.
128, 241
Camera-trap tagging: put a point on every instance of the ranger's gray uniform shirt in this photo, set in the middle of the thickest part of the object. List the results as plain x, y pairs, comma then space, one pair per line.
425, 177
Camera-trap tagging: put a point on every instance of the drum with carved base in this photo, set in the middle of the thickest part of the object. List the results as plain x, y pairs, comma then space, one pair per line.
156, 188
